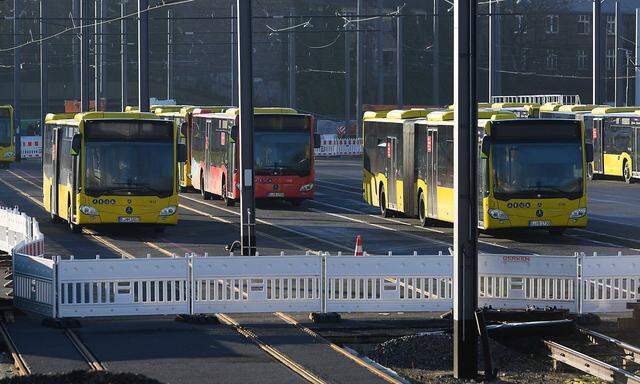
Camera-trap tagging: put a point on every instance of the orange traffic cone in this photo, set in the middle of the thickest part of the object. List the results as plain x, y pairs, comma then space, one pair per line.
358, 251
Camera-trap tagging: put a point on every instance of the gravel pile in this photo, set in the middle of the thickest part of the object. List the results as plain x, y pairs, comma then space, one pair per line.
428, 358
82, 377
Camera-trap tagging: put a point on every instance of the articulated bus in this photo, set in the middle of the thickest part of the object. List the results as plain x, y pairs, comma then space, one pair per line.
7, 147
183, 118
531, 173
111, 168
615, 134
283, 152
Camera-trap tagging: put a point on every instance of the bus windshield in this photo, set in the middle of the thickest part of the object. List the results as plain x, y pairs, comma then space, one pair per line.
282, 153
5, 131
129, 159
537, 170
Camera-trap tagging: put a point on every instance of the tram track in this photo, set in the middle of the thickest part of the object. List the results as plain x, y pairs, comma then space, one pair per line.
84, 351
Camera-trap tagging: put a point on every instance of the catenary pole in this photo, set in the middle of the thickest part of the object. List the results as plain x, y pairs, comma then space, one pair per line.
399, 59
97, 36
347, 77
143, 55
465, 238
435, 90
359, 69
618, 81
598, 54
495, 53
75, 47
84, 55
234, 57
124, 57
170, 37
44, 62
380, 53
292, 63
245, 91
17, 84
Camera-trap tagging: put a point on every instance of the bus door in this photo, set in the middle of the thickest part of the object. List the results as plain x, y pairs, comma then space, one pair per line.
432, 173
392, 171
597, 136
55, 163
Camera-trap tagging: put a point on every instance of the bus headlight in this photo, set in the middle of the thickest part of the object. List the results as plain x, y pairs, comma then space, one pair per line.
89, 210
306, 187
498, 214
8, 154
578, 213
168, 211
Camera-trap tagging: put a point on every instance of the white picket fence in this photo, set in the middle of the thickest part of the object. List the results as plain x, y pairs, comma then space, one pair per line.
30, 147
195, 284
339, 147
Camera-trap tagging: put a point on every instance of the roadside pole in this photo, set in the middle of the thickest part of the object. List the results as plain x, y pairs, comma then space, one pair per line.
347, 77
399, 58
495, 53
465, 233
598, 54
359, 69
292, 63
170, 38
435, 89
617, 78
245, 91
44, 63
143, 55
84, 56
124, 57
17, 85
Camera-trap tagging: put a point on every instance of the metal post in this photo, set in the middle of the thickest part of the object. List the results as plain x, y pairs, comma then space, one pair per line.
143, 55
75, 47
637, 59
359, 69
84, 56
96, 54
347, 77
245, 90
598, 54
44, 62
17, 85
399, 59
626, 87
436, 53
618, 86
495, 54
380, 54
170, 28
124, 58
103, 55
465, 242
292, 64
234, 57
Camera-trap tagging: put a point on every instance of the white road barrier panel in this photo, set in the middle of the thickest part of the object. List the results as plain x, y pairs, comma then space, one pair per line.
30, 147
339, 147
608, 283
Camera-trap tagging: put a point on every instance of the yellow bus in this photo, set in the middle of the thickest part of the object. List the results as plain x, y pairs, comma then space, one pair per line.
111, 168
531, 173
522, 110
7, 146
183, 118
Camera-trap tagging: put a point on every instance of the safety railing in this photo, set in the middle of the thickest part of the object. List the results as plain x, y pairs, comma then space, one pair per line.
537, 99
339, 147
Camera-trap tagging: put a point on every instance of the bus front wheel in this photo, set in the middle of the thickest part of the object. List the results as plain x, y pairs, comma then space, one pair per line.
384, 212
422, 210
626, 173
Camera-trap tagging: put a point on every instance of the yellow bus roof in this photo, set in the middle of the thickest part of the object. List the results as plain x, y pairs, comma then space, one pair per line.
74, 119
577, 107
368, 115
513, 105
439, 116
399, 114
264, 110
550, 107
480, 105
607, 109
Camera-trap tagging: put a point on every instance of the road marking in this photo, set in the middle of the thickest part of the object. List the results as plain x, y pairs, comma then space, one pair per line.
84, 351
338, 190
205, 214
38, 202
378, 372
25, 180
93, 235
160, 249
274, 225
606, 235
273, 352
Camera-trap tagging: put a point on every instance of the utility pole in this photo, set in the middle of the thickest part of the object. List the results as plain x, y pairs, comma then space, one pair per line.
359, 70
170, 28
618, 85
84, 56
17, 85
103, 55
598, 54
44, 63
495, 52
234, 57
637, 60
465, 232
75, 47
97, 39
435, 48
245, 90
399, 59
143, 55
124, 57
347, 77
292, 63
380, 53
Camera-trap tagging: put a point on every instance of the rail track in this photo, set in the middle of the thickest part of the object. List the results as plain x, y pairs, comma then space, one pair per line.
604, 357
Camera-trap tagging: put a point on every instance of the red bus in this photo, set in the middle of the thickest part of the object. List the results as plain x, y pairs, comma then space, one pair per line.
283, 155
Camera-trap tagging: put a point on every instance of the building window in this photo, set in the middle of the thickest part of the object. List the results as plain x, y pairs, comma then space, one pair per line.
582, 59
521, 26
584, 24
553, 22
611, 59
552, 60
611, 25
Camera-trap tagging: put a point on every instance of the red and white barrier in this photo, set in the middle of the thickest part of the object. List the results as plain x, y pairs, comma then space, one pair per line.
31, 147
339, 147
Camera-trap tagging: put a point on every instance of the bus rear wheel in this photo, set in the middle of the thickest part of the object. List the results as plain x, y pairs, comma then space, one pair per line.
626, 173
384, 212
422, 210
229, 202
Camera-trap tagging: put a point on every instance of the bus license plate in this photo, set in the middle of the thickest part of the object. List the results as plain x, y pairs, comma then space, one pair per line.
536, 223
132, 219
275, 194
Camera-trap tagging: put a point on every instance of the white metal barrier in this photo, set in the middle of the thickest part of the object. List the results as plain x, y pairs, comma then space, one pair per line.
339, 147
537, 99
30, 147
609, 282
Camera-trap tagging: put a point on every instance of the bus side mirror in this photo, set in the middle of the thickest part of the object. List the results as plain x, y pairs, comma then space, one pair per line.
589, 148
316, 141
75, 145
182, 153
485, 148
